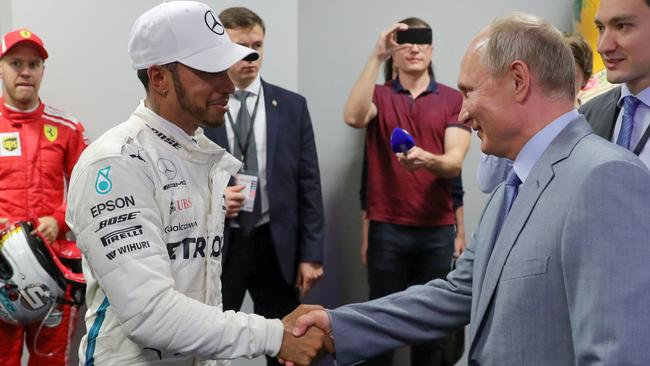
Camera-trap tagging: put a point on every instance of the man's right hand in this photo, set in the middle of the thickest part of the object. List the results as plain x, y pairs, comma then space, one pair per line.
386, 44
302, 343
234, 200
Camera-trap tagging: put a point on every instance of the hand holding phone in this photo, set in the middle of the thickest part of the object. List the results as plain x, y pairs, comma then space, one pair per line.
414, 36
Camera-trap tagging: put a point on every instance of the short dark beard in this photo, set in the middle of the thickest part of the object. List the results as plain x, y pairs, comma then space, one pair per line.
193, 109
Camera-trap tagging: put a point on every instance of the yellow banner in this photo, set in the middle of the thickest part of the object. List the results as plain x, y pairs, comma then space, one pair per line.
584, 14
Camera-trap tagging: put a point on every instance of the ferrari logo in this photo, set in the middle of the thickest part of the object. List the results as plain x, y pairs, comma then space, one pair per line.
51, 132
10, 143
25, 33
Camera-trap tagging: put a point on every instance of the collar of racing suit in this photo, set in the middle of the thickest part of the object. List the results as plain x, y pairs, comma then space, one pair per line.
196, 148
17, 116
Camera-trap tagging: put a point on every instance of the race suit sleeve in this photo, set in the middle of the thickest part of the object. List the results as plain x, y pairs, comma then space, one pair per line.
138, 281
76, 145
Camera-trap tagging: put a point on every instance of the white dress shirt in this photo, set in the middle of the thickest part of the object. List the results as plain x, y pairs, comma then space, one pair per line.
259, 128
535, 147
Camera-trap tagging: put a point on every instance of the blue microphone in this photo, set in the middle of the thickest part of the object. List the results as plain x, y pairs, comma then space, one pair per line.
401, 140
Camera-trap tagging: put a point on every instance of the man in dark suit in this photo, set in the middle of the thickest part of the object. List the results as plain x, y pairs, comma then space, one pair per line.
274, 240
622, 115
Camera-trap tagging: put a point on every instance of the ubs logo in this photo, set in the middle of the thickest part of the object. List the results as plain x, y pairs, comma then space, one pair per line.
213, 24
166, 167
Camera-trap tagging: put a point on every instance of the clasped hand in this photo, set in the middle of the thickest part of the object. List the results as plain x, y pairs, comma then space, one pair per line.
307, 336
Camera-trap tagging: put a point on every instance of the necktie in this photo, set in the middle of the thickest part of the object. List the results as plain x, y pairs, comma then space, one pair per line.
243, 124
630, 103
511, 190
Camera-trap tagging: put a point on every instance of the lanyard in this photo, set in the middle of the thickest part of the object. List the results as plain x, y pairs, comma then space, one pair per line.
244, 147
644, 139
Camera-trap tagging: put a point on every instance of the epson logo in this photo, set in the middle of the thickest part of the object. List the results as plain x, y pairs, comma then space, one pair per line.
129, 248
174, 185
117, 219
194, 248
117, 235
165, 138
111, 205
180, 227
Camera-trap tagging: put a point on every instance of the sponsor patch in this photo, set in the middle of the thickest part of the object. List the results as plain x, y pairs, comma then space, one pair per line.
10, 144
103, 183
112, 205
194, 248
183, 204
174, 185
180, 227
167, 167
137, 156
117, 235
166, 138
117, 219
128, 248
51, 132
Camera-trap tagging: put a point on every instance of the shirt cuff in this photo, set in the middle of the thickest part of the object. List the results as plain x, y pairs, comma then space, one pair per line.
274, 334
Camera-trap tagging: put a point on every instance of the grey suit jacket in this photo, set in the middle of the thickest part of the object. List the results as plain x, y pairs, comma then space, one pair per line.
565, 283
602, 111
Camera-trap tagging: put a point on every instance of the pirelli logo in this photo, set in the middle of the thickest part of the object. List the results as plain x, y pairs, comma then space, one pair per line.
129, 232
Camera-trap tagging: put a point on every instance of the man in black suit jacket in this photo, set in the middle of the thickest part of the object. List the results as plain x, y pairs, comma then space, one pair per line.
624, 44
278, 256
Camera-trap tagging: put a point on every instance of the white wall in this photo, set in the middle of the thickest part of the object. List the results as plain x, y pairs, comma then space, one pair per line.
315, 47
88, 73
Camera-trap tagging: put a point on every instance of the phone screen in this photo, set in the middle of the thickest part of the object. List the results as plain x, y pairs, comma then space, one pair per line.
414, 36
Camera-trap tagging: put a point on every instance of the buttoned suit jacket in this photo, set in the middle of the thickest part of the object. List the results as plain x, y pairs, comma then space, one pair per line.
293, 180
602, 111
565, 283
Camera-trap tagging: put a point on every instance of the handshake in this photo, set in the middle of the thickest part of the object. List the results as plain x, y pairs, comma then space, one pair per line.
307, 336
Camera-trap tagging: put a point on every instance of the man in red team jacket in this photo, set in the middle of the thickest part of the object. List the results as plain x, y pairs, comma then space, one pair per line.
39, 146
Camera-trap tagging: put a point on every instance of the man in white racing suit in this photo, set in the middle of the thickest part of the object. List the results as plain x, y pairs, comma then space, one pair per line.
146, 205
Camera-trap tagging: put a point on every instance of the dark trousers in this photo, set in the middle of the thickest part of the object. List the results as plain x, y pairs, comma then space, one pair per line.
400, 256
251, 264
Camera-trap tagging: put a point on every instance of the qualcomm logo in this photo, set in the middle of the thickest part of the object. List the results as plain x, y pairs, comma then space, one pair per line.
103, 183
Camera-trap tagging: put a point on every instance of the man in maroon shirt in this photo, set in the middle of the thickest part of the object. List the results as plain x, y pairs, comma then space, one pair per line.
411, 232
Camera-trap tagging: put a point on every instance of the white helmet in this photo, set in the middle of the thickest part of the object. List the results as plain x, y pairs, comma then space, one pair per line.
31, 277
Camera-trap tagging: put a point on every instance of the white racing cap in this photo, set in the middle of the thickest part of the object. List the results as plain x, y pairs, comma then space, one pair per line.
188, 32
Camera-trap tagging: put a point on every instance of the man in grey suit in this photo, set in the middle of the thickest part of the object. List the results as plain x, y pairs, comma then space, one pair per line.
624, 45
555, 273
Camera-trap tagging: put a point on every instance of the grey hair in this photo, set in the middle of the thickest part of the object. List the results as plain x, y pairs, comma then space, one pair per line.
536, 42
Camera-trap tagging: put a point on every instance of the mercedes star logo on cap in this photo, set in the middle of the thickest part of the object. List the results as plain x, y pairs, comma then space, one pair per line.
213, 23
